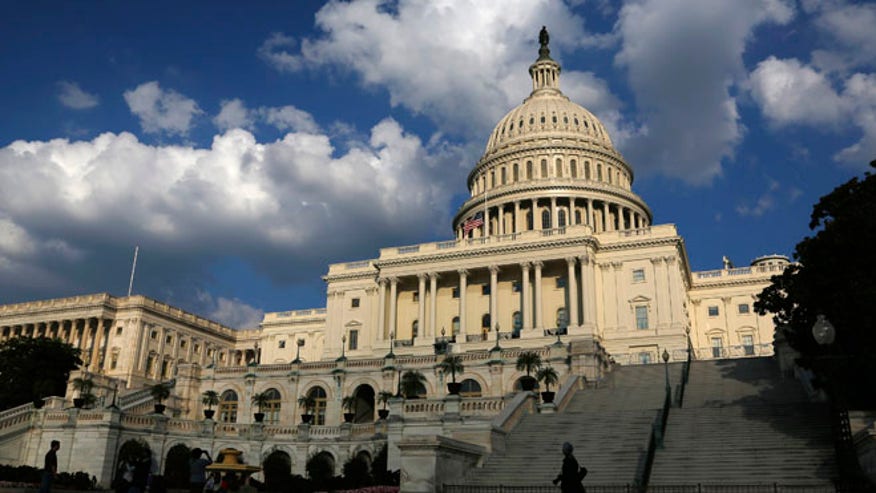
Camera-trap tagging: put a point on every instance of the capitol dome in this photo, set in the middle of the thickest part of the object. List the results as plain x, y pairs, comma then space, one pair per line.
549, 163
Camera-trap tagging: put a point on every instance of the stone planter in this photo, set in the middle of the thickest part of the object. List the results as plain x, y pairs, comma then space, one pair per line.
259, 417
528, 383
547, 397
383, 413
453, 388
306, 418
159, 408
348, 417
208, 413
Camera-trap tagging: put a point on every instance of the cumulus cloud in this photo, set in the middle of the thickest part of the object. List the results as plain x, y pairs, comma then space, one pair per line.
850, 30
233, 114
683, 59
161, 111
461, 67
289, 118
232, 312
764, 203
188, 207
73, 97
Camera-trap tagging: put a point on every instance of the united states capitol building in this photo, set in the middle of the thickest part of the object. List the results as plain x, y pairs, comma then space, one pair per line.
553, 252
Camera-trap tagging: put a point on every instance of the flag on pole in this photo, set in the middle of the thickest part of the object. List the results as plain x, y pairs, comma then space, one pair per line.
473, 222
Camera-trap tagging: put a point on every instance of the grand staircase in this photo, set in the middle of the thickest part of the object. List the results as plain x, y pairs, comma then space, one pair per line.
740, 423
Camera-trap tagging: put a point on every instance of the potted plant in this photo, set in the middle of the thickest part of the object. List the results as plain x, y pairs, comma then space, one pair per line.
349, 404
308, 404
160, 392
383, 397
209, 398
83, 385
411, 382
549, 376
528, 361
260, 400
452, 364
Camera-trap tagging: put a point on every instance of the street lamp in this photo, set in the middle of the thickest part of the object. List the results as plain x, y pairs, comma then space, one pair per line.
497, 347
666, 368
299, 343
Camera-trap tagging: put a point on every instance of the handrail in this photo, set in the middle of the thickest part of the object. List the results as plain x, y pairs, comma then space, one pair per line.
685, 376
655, 441
567, 391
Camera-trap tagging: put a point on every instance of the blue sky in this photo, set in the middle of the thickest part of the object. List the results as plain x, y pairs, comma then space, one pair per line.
246, 145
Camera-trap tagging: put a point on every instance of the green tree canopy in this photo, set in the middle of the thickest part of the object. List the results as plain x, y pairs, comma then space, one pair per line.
33, 368
835, 277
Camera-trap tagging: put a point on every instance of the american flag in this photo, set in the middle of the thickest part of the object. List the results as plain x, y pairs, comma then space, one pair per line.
473, 222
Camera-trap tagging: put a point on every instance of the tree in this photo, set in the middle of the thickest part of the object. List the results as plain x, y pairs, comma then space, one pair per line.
547, 375
33, 368
412, 384
529, 361
84, 386
452, 364
835, 277
210, 398
261, 400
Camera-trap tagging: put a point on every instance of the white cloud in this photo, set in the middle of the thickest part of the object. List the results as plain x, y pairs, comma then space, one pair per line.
790, 92
230, 311
289, 118
764, 203
260, 202
233, 114
462, 67
72, 96
161, 111
683, 58
850, 27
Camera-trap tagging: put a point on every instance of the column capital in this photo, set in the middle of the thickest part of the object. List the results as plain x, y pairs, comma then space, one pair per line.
525, 265
585, 259
462, 272
538, 264
617, 265
434, 275
421, 276
570, 261
604, 265
494, 269
656, 260
393, 279
382, 281
669, 259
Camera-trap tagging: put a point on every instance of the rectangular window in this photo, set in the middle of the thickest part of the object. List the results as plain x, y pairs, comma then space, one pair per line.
743, 308
713, 311
748, 345
717, 347
118, 330
561, 282
353, 340
197, 349
281, 344
416, 295
182, 343
168, 339
638, 275
515, 286
114, 361
641, 317
645, 358
154, 334
354, 303
456, 292
485, 289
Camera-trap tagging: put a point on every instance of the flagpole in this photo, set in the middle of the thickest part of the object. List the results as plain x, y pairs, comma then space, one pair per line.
133, 269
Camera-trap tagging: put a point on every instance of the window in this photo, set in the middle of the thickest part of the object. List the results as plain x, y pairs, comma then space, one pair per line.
281, 344
114, 360
454, 326
559, 168
561, 282
415, 296
599, 172
354, 303
455, 292
713, 311
228, 407
641, 317
545, 219
743, 308
119, 331
319, 397
544, 170
197, 349
717, 347
586, 170
517, 324
353, 340
168, 339
154, 334
515, 173
645, 358
415, 328
529, 223
182, 344
504, 176
638, 275
561, 218
485, 289
272, 407
485, 321
165, 368
529, 170
573, 168
748, 345
562, 319
577, 217
515, 287
470, 388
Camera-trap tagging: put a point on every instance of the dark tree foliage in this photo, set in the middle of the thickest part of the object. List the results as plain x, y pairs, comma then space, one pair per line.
176, 466
835, 277
33, 368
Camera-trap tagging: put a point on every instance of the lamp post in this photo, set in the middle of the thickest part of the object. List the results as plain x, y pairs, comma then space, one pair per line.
391, 354
497, 347
666, 368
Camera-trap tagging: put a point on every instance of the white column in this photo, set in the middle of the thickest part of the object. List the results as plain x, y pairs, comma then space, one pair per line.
516, 216
486, 221
590, 214
661, 291
536, 221
494, 294
421, 306
573, 292
393, 306
606, 217
500, 219
462, 288
539, 322
554, 223
587, 294
526, 304
433, 304
381, 309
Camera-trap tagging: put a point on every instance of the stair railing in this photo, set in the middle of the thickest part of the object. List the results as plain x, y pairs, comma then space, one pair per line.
685, 375
655, 441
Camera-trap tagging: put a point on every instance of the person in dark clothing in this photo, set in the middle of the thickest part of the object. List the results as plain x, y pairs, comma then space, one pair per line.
570, 476
50, 468
141, 476
198, 470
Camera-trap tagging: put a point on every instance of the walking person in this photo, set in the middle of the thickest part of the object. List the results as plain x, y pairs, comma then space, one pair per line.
570, 475
50, 467
198, 463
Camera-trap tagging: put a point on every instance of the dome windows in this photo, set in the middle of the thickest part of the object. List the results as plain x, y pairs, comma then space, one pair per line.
532, 120
576, 121
542, 119
566, 120
554, 119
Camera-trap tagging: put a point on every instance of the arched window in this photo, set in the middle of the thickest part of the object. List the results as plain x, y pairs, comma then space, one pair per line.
228, 407
577, 216
559, 168
470, 388
415, 328
272, 407
319, 397
562, 318
586, 170
492, 179
544, 170
598, 172
517, 324
610, 174
515, 175
485, 321
529, 225
454, 326
529, 170
573, 168
504, 176
561, 218
545, 219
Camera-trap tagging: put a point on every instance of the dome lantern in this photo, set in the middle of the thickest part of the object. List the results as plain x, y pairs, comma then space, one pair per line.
545, 72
